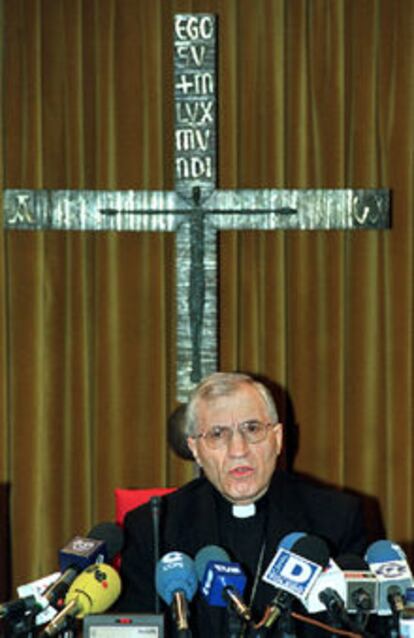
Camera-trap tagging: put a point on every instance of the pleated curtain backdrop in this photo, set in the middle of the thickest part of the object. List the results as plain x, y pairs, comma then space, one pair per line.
312, 94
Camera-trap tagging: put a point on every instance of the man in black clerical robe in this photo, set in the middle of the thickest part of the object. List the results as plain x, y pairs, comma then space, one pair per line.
242, 503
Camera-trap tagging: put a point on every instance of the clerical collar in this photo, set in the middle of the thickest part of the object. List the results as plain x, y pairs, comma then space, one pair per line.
244, 511
236, 511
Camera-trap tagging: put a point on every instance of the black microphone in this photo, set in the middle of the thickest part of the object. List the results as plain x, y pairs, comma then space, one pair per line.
20, 607
361, 584
155, 503
330, 593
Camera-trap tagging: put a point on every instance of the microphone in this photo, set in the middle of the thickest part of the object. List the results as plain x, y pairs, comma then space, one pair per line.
46, 595
155, 503
325, 590
21, 606
290, 539
102, 544
293, 572
389, 563
176, 584
92, 592
329, 595
222, 581
328, 592
361, 584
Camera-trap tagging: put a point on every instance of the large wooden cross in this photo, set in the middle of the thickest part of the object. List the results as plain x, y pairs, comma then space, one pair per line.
196, 210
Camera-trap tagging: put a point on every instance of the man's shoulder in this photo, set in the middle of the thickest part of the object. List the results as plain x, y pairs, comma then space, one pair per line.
325, 510
303, 498
316, 491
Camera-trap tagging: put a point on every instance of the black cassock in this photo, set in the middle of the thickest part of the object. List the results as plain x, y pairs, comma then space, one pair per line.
196, 516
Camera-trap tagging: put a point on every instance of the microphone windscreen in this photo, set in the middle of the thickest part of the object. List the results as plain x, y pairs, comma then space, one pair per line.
95, 589
352, 562
111, 534
384, 550
206, 555
389, 564
289, 540
175, 572
313, 548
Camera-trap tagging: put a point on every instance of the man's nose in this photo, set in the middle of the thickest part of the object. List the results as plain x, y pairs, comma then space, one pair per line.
238, 445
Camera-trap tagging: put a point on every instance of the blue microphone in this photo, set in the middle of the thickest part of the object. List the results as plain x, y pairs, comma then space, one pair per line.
176, 583
222, 581
389, 564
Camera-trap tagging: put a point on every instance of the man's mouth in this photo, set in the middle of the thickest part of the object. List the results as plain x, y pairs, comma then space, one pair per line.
241, 471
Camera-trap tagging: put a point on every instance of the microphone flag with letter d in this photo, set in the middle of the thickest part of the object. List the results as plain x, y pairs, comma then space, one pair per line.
292, 573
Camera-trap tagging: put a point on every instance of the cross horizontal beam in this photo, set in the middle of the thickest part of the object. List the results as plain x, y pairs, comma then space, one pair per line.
164, 211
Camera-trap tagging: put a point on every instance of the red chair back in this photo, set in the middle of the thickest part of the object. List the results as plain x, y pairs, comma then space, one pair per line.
128, 499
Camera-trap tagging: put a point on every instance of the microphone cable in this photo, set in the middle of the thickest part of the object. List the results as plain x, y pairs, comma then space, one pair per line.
316, 623
326, 627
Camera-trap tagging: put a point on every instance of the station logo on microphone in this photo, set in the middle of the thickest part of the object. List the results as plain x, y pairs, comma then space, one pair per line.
390, 570
292, 573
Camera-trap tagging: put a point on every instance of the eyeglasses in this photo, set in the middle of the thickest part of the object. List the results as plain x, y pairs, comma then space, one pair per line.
218, 436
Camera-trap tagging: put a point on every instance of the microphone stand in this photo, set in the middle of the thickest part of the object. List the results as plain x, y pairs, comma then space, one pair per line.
19, 626
180, 616
392, 626
70, 629
234, 623
287, 623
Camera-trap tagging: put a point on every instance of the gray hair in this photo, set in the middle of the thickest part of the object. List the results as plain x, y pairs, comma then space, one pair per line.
221, 384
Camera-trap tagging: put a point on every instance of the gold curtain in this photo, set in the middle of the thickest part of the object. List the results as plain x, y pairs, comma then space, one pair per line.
313, 93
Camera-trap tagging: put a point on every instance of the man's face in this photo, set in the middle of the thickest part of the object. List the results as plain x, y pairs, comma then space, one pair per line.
241, 471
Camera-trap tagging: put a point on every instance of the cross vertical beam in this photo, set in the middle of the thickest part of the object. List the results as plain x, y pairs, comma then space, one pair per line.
195, 100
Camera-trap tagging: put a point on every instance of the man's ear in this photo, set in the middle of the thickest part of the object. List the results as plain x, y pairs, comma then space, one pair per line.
192, 444
278, 430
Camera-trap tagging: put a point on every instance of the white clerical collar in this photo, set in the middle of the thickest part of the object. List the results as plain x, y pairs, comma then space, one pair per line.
244, 511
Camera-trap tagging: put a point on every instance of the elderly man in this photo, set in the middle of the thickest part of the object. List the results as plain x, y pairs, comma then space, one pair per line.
241, 503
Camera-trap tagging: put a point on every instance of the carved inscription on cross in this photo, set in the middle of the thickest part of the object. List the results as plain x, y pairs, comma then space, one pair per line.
196, 210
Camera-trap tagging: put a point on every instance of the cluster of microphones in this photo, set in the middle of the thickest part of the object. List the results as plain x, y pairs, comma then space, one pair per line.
307, 581
86, 584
